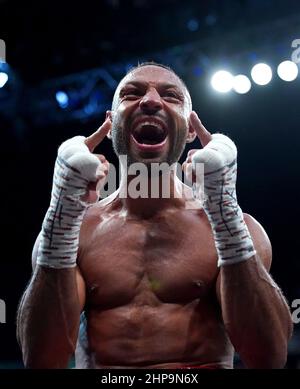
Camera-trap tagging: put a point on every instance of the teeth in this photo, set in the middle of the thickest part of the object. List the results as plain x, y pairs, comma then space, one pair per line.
149, 123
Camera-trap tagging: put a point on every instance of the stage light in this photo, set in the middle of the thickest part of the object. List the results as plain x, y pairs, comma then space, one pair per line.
287, 70
241, 84
3, 79
222, 81
62, 99
193, 25
261, 74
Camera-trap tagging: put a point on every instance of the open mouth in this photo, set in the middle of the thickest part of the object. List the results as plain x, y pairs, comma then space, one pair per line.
149, 133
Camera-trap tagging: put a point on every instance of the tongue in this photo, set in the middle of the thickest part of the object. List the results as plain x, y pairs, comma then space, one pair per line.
149, 135
149, 142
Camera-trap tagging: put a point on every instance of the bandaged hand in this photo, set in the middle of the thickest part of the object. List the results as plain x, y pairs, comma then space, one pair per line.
76, 172
219, 156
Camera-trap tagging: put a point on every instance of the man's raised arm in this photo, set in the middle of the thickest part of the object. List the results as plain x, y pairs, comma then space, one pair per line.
254, 311
49, 311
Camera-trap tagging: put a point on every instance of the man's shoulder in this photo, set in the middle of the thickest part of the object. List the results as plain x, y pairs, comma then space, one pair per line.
102, 206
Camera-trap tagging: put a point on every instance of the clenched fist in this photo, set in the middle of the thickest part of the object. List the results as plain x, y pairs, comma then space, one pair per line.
219, 156
77, 175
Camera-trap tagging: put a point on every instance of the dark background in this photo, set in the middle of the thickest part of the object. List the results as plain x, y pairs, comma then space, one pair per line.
84, 49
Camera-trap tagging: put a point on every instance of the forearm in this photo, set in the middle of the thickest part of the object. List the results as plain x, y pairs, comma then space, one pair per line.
48, 318
49, 313
255, 314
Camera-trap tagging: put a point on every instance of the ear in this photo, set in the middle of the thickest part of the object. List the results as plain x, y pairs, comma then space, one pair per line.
191, 135
109, 116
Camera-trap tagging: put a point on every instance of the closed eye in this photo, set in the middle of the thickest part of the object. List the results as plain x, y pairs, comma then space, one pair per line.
172, 95
130, 93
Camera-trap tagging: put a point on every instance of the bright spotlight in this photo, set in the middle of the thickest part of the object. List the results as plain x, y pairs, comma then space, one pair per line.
287, 70
241, 84
3, 79
62, 99
261, 74
222, 81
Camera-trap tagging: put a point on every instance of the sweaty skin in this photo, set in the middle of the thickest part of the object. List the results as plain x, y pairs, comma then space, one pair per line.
147, 278
151, 289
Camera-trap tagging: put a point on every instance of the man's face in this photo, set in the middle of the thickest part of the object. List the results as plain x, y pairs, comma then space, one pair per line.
150, 117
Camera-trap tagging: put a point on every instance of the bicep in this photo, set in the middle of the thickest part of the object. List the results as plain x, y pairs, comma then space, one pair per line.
262, 246
80, 288
79, 278
261, 241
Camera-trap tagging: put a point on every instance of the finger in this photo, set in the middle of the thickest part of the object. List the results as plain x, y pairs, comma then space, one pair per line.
103, 168
106, 167
191, 152
185, 169
101, 158
201, 131
189, 155
91, 195
100, 176
97, 137
188, 171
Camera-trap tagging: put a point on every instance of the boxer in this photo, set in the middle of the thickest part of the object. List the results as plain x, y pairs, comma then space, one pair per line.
143, 281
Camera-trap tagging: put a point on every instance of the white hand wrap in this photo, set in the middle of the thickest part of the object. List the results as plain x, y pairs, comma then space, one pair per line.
232, 238
75, 167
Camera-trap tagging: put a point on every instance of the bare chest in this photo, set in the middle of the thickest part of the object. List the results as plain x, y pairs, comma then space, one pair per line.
171, 259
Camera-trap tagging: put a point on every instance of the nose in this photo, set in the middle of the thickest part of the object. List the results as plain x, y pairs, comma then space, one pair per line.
151, 101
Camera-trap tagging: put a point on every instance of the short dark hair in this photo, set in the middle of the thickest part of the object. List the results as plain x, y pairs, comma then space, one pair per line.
149, 63
160, 65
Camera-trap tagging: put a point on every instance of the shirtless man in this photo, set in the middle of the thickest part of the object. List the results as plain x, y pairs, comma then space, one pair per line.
161, 285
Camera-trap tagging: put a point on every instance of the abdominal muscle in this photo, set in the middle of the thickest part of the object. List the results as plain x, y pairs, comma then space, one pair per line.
151, 299
162, 336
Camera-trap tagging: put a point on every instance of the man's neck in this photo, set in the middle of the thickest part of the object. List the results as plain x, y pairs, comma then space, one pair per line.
146, 196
